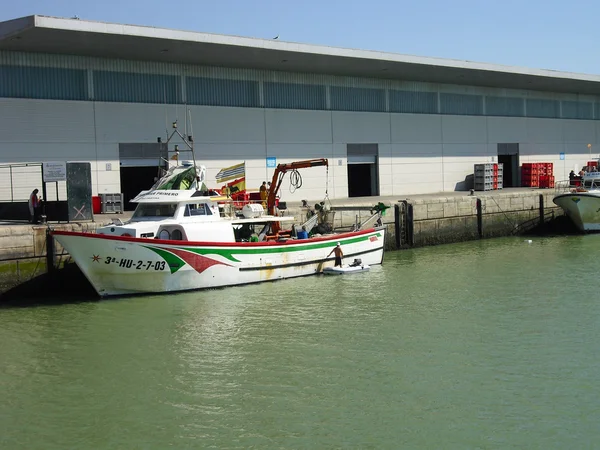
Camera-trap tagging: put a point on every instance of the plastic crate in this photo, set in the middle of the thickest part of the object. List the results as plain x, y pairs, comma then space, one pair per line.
111, 203
546, 181
483, 186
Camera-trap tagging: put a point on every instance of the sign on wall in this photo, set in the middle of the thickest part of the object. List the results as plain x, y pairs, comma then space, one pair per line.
54, 171
271, 161
562, 156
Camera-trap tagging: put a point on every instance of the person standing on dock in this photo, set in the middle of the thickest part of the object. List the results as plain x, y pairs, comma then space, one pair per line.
263, 194
339, 254
34, 206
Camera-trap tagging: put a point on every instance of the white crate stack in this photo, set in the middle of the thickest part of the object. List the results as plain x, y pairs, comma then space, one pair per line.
488, 177
111, 203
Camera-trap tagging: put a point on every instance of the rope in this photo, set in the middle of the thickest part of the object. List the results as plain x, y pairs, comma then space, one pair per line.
295, 181
513, 224
327, 186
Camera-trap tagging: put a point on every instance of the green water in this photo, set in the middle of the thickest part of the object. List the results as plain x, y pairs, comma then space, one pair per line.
491, 344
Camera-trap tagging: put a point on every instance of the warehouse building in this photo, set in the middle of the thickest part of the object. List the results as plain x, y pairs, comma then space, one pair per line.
75, 90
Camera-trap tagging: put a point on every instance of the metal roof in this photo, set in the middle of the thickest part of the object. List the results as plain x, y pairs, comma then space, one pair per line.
81, 37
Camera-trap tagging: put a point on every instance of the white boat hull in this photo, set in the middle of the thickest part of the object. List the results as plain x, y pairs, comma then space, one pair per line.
583, 208
117, 265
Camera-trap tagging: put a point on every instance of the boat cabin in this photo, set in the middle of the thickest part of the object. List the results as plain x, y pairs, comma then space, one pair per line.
189, 215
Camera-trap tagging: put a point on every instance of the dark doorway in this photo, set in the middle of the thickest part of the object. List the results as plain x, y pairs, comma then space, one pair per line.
363, 174
134, 180
508, 155
359, 180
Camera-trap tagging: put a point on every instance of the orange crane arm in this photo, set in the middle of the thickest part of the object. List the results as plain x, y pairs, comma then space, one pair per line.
280, 171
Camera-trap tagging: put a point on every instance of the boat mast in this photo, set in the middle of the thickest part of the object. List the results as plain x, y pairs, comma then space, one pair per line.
188, 140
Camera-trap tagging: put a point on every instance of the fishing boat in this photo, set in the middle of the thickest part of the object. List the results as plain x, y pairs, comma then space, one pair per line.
181, 238
582, 203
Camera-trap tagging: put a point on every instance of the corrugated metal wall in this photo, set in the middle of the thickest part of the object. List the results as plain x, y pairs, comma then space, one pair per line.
413, 102
219, 92
357, 99
110, 86
43, 82
461, 104
504, 106
64, 77
577, 110
549, 109
294, 96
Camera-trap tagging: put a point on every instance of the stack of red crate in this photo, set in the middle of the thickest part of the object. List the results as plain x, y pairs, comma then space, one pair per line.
530, 175
546, 174
495, 177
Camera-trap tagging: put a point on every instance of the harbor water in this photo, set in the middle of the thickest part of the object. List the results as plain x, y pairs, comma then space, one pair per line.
486, 344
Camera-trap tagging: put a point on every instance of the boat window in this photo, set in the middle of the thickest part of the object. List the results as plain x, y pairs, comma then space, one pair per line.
155, 210
200, 209
180, 178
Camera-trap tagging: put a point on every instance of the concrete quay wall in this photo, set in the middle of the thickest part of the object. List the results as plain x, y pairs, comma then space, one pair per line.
454, 219
23, 251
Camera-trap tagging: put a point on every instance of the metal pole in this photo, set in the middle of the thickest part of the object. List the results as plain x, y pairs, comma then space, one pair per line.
44, 196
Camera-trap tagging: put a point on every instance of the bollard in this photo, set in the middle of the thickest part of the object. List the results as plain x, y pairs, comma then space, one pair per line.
479, 219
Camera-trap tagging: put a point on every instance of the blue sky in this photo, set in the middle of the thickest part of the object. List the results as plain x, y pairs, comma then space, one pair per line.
549, 34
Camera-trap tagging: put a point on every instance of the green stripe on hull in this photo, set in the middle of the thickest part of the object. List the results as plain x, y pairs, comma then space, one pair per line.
228, 252
173, 261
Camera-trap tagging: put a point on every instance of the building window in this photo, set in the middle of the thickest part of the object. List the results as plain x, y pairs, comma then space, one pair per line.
357, 99
221, 92
577, 110
461, 104
549, 109
43, 83
136, 87
504, 106
413, 102
294, 96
